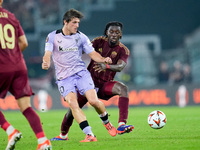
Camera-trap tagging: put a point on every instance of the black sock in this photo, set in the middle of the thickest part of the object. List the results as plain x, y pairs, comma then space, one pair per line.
105, 119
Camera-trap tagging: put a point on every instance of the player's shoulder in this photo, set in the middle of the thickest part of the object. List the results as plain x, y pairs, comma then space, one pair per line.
81, 34
100, 38
52, 33
51, 36
121, 45
6, 11
55, 32
9, 14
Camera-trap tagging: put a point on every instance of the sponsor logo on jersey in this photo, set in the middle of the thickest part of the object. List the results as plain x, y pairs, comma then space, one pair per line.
61, 49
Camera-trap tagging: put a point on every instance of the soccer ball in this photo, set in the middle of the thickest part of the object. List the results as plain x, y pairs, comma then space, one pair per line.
157, 119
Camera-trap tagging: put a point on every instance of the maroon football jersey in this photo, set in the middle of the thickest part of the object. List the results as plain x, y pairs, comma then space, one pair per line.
116, 52
11, 58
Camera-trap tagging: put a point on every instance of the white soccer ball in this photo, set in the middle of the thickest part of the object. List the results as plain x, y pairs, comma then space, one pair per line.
157, 119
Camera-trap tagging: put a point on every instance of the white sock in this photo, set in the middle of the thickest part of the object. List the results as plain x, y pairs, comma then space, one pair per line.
63, 136
121, 123
87, 130
10, 130
42, 140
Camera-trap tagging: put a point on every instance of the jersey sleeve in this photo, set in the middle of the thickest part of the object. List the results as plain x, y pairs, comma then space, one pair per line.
87, 45
96, 41
49, 41
124, 53
20, 31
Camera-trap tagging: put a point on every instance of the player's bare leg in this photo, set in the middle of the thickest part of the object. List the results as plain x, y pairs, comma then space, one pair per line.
80, 117
101, 110
78, 114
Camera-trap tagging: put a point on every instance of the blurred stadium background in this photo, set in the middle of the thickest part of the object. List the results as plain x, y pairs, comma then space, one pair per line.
155, 31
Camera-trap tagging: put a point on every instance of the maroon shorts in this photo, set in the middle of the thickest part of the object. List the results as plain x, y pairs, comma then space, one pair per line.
16, 83
105, 91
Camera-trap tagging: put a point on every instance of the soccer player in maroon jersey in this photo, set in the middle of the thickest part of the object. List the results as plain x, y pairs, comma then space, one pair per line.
14, 78
103, 75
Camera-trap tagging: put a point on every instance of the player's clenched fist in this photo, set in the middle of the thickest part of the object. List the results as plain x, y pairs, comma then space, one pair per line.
108, 60
45, 65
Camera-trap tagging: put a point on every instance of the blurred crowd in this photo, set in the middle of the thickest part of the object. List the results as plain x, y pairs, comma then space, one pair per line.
29, 11
49, 11
179, 73
23, 10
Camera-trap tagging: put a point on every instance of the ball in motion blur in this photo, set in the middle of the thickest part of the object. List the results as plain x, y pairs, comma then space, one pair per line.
157, 119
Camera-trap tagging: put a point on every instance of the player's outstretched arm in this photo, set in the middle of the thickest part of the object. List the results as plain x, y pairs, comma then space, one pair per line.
98, 58
114, 67
46, 60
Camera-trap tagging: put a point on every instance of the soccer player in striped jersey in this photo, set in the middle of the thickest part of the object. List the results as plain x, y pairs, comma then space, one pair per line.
14, 78
103, 76
66, 47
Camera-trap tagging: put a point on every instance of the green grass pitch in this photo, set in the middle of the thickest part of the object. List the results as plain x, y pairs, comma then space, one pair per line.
181, 132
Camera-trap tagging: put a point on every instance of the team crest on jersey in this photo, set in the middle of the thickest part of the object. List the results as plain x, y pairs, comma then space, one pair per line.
76, 41
100, 50
113, 54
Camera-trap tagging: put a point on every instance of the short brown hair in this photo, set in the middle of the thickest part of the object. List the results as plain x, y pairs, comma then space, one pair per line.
72, 13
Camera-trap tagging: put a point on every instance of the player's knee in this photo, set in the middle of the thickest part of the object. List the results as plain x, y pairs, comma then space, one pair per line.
123, 90
72, 104
94, 103
23, 103
24, 107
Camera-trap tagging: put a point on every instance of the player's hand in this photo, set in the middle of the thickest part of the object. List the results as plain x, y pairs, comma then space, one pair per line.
45, 65
108, 60
99, 67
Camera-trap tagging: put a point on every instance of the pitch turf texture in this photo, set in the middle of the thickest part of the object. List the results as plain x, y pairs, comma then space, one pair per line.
181, 132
